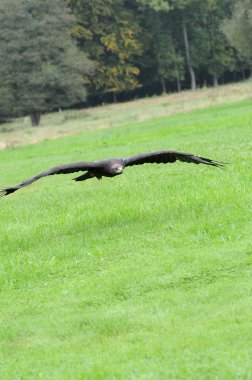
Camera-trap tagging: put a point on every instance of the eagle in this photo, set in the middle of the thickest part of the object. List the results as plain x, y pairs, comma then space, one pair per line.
114, 166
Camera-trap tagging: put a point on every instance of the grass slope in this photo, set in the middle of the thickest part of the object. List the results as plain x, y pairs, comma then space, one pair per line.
67, 122
144, 276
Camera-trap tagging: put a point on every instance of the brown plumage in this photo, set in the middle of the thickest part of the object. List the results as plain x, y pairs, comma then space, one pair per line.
114, 166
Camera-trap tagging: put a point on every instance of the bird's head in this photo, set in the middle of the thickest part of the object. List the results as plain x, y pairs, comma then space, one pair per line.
117, 169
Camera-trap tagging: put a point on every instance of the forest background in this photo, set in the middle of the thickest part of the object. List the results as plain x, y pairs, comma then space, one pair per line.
57, 54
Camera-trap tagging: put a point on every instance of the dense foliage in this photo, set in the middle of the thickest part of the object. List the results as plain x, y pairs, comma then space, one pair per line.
137, 47
41, 68
238, 29
159, 45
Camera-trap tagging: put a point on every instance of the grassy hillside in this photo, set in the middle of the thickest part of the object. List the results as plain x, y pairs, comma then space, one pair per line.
68, 122
144, 276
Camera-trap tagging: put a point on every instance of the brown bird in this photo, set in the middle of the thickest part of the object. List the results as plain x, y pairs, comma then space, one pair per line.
115, 166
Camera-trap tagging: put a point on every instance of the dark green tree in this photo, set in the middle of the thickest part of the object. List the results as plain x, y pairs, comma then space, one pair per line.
156, 5
207, 50
168, 59
210, 51
41, 68
184, 15
238, 28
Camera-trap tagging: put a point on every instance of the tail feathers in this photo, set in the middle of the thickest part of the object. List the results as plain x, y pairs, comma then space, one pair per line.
7, 191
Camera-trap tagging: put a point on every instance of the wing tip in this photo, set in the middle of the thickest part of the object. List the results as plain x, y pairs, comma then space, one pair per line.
7, 191
3, 192
220, 165
217, 164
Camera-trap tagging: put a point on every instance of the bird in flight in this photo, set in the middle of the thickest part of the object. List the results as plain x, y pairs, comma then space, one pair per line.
114, 166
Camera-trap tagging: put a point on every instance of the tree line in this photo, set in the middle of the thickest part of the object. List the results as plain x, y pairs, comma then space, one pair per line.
55, 52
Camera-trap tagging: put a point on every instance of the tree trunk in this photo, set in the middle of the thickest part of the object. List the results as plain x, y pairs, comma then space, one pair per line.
114, 97
163, 86
215, 81
35, 118
188, 57
178, 78
250, 73
178, 84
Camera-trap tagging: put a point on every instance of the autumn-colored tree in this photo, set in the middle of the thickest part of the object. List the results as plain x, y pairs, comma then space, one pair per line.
109, 31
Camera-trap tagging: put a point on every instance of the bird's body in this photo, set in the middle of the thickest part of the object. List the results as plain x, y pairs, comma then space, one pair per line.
114, 166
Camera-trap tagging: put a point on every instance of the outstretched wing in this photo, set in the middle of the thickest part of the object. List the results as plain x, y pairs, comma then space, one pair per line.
169, 156
60, 169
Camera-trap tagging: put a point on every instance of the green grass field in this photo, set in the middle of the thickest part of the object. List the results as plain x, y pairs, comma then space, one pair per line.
143, 276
